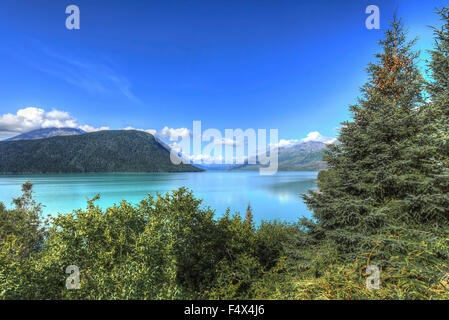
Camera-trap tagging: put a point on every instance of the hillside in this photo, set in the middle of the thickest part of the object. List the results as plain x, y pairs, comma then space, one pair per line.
47, 133
300, 157
103, 151
303, 156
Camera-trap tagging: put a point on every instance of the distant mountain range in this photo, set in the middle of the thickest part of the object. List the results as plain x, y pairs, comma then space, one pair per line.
303, 156
102, 151
214, 166
47, 133
58, 150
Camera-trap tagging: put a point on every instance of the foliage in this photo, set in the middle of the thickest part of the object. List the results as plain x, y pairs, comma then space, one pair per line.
165, 247
384, 199
22, 232
23, 223
378, 176
415, 271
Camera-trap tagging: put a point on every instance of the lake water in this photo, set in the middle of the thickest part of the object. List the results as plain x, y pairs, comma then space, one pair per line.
271, 197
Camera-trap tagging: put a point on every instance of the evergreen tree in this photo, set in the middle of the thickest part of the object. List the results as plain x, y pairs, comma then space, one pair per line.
384, 198
439, 63
434, 136
249, 218
374, 175
23, 224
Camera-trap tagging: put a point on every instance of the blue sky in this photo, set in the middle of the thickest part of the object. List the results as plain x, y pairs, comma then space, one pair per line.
290, 65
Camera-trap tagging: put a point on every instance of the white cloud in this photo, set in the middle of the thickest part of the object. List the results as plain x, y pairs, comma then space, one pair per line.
312, 136
227, 142
150, 131
316, 136
287, 143
174, 134
88, 128
32, 118
283, 143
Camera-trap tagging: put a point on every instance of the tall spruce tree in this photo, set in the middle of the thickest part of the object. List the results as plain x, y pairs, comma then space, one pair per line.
439, 64
434, 136
374, 172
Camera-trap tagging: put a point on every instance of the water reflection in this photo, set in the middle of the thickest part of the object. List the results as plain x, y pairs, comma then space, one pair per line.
290, 191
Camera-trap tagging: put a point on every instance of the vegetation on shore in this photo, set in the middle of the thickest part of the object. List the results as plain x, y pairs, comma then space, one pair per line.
171, 247
383, 201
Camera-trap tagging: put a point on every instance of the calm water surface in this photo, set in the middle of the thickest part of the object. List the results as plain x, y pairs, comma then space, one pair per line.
270, 196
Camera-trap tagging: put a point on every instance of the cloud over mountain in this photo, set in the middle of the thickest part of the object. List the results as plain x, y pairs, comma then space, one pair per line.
311, 136
150, 131
88, 128
34, 118
316, 136
31, 118
174, 134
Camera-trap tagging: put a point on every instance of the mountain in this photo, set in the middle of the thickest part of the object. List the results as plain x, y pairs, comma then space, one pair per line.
47, 133
303, 156
102, 151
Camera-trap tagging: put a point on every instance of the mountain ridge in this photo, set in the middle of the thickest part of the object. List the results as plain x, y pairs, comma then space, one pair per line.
304, 156
46, 133
101, 151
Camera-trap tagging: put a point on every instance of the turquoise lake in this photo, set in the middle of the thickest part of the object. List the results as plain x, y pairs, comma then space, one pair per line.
271, 197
